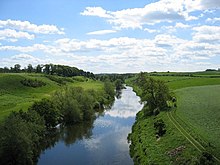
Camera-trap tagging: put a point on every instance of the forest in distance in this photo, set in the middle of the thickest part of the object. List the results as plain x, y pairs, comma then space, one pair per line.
174, 108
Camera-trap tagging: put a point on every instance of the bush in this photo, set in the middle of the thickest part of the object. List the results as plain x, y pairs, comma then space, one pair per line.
47, 110
33, 83
160, 127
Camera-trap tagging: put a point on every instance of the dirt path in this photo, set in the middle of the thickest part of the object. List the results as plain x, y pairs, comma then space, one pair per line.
194, 142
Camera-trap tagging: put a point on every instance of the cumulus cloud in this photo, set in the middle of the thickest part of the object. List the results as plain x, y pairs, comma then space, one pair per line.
13, 34
29, 27
213, 20
22, 59
157, 12
96, 11
207, 33
162, 11
150, 30
181, 25
101, 32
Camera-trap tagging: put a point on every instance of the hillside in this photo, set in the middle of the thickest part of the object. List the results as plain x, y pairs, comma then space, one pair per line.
15, 96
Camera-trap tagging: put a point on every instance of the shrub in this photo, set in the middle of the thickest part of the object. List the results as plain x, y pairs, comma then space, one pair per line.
33, 83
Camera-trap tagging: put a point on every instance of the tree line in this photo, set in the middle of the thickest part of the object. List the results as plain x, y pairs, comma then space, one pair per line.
50, 69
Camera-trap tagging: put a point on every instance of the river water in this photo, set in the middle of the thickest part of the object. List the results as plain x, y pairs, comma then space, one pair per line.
102, 141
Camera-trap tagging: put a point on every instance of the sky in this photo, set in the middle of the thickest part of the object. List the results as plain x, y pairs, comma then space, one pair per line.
111, 36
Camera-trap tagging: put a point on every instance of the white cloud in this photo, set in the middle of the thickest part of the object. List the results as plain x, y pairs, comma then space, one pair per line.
12, 34
181, 25
96, 11
207, 33
162, 11
101, 32
150, 30
157, 12
29, 27
126, 54
22, 59
213, 20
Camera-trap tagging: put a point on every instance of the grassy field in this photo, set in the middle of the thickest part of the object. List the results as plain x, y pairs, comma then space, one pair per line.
196, 119
199, 108
15, 96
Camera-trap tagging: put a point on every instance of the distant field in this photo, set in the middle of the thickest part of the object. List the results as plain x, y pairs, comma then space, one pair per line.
200, 108
96, 85
15, 96
177, 82
193, 82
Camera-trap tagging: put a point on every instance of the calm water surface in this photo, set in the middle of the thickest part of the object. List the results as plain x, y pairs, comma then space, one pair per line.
103, 141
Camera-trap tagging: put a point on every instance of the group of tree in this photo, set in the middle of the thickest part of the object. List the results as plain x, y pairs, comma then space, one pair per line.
155, 93
52, 69
114, 77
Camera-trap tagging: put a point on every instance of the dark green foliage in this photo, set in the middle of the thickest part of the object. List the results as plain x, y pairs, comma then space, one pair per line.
160, 127
49, 69
47, 110
155, 92
206, 159
38, 68
71, 112
17, 68
75, 104
119, 84
109, 89
65, 71
30, 68
20, 137
33, 83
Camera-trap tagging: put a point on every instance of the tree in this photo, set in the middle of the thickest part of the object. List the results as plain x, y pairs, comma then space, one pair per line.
30, 68
17, 68
118, 84
20, 136
109, 89
47, 110
47, 69
154, 92
38, 68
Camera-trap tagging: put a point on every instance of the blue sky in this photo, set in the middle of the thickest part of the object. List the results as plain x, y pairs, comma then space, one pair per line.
111, 36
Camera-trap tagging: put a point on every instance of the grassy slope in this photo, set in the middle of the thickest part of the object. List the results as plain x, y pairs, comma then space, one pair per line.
15, 96
149, 150
199, 107
177, 139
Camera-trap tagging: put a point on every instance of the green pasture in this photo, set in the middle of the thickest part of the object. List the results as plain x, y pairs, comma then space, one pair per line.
199, 108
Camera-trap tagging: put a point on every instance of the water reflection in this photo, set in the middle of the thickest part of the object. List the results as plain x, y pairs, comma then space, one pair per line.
103, 141
69, 134
126, 106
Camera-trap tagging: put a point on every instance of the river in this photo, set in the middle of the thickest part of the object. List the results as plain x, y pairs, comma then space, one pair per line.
103, 141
